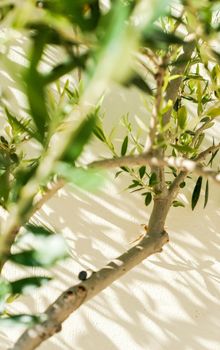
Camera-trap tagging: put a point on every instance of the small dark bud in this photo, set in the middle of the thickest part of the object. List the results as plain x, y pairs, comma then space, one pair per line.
82, 275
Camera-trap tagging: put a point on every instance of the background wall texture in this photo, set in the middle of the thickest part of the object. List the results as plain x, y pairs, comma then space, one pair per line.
170, 301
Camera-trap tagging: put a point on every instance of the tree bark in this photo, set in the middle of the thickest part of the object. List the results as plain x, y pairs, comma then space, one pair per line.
74, 297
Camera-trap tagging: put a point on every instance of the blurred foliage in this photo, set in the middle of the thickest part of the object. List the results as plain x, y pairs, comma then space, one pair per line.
62, 55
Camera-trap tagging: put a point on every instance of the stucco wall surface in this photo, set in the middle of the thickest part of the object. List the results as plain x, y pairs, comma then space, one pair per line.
170, 301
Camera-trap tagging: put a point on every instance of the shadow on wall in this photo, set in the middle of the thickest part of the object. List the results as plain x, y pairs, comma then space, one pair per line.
169, 302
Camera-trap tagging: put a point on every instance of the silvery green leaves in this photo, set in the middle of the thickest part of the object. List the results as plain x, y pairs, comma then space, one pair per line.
45, 247
197, 191
10, 291
48, 249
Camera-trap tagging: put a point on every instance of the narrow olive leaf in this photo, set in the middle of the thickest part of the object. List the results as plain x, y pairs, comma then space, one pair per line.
148, 198
97, 130
37, 101
38, 229
20, 320
64, 68
118, 173
178, 204
142, 171
182, 117
20, 126
214, 154
139, 82
124, 146
135, 183
79, 139
26, 285
206, 194
196, 192
124, 168
153, 179
204, 120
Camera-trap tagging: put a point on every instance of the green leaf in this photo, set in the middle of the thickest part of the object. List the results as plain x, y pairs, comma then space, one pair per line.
182, 117
124, 146
64, 68
142, 171
148, 198
118, 173
5, 289
21, 126
183, 148
214, 154
139, 82
50, 250
38, 230
178, 204
196, 192
99, 133
20, 320
86, 179
25, 285
4, 187
204, 120
206, 193
79, 139
124, 168
135, 183
153, 180
214, 112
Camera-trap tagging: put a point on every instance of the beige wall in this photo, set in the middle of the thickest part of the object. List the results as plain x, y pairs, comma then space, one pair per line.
169, 302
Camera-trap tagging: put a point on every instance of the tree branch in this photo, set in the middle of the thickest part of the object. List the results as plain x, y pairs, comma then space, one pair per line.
147, 159
74, 297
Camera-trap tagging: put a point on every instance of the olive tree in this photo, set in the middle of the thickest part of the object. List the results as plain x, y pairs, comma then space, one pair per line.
72, 51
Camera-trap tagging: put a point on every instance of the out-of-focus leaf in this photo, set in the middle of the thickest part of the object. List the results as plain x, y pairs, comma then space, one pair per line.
148, 198
97, 130
5, 289
182, 117
51, 250
79, 139
135, 183
206, 193
35, 84
86, 179
139, 82
4, 187
124, 146
205, 119
21, 320
25, 285
183, 148
196, 192
64, 68
21, 178
20, 126
178, 204
159, 39
38, 230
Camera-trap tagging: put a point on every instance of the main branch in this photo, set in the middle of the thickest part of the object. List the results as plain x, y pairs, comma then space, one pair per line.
74, 297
